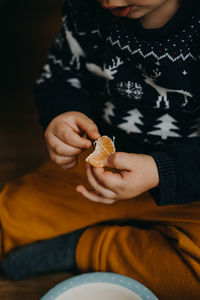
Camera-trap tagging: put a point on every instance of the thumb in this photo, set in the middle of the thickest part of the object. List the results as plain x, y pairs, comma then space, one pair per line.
89, 127
119, 160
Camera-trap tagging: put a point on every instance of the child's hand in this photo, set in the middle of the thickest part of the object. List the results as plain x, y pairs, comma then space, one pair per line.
137, 174
65, 137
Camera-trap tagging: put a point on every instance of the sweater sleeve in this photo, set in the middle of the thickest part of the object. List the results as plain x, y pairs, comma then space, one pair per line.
179, 171
61, 85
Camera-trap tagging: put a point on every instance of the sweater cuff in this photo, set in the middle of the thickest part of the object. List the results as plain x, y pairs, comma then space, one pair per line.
165, 194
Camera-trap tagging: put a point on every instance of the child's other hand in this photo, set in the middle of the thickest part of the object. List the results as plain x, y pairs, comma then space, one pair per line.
137, 174
65, 137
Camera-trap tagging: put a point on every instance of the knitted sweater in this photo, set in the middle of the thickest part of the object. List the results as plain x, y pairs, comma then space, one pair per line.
139, 85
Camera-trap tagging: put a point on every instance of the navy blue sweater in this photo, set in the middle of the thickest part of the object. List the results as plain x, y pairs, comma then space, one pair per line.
139, 85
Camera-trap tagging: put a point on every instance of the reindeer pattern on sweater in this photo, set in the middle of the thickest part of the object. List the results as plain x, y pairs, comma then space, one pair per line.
144, 87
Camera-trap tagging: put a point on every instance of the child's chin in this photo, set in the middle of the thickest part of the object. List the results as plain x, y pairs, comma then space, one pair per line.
136, 14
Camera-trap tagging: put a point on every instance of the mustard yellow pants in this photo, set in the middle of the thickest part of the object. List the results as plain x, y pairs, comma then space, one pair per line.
159, 246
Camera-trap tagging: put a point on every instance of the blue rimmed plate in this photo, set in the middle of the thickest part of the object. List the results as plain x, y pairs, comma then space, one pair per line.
100, 286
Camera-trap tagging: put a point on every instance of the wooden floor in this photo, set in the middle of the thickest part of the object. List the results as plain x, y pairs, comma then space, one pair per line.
22, 147
21, 138
29, 289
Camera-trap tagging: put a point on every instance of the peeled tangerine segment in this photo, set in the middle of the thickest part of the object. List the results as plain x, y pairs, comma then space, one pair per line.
104, 147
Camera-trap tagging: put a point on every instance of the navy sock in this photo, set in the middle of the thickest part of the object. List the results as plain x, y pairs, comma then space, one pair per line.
46, 256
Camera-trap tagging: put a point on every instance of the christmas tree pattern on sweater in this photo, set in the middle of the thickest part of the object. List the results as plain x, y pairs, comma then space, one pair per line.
144, 87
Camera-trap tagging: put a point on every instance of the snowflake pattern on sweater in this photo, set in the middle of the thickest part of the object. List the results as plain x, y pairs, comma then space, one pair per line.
144, 82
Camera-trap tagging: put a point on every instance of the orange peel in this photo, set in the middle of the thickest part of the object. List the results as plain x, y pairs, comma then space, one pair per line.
104, 147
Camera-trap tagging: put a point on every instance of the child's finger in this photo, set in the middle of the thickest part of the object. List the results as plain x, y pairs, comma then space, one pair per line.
70, 165
91, 195
96, 186
108, 179
89, 127
70, 137
63, 149
61, 160
120, 160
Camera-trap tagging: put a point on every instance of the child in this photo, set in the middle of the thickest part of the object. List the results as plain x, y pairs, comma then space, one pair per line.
127, 69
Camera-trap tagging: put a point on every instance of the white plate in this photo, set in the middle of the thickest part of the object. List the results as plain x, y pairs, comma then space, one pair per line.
100, 286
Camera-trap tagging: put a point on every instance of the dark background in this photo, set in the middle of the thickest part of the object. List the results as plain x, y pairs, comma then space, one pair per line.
27, 29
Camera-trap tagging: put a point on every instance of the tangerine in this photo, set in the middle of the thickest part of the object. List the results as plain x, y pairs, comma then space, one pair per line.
104, 147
